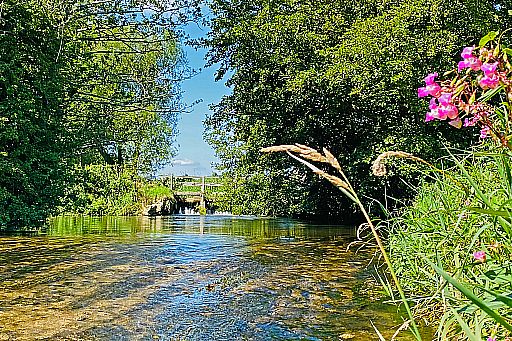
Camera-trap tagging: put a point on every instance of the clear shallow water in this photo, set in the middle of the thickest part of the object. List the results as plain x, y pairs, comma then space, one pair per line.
188, 278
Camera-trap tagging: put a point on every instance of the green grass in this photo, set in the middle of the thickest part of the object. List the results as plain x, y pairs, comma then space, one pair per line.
431, 246
155, 190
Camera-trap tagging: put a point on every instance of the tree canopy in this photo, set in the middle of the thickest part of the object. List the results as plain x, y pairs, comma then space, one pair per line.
82, 83
334, 74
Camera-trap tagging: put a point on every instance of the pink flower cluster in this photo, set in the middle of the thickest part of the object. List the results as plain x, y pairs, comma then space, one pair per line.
441, 105
469, 60
491, 78
452, 98
431, 87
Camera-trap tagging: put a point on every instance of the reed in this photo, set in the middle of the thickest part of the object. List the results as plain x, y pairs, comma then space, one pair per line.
303, 153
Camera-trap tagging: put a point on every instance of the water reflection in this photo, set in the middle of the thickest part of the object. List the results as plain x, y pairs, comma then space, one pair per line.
187, 278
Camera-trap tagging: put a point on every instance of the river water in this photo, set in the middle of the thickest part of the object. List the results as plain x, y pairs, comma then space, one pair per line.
188, 278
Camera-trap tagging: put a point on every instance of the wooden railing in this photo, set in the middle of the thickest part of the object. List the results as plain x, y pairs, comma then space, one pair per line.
185, 186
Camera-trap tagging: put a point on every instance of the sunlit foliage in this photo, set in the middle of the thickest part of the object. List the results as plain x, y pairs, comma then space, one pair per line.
334, 74
88, 82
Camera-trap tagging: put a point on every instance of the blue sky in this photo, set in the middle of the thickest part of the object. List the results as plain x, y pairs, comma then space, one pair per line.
195, 157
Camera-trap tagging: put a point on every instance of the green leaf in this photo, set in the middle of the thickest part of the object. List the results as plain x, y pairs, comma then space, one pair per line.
472, 98
489, 37
465, 327
489, 94
501, 275
494, 213
500, 297
491, 303
459, 89
471, 296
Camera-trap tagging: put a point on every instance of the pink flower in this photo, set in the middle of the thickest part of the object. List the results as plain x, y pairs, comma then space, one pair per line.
490, 338
474, 63
438, 114
449, 111
490, 81
434, 112
489, 69
469, 60
445, 99
433, 104
429, 117
422, 92
462, 65
444, 110
431, 89
430, 79
484, 132
467, 52
479, 256
470, 122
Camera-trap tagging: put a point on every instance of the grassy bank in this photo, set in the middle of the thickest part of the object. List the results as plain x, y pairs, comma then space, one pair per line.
462, 225
448, 254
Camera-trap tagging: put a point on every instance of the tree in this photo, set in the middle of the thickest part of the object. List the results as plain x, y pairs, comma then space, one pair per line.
32, 87
131, 66
334, 74
82, 83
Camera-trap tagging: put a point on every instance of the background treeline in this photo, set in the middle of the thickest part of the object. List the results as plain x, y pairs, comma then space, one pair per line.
84, 83
335, 74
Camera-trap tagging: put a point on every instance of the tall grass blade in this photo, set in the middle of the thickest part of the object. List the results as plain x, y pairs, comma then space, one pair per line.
385, 285
381, 338
471, 181
494, 213
500, 297
479, 193
344, 186
506, 174
471, 296
465, 327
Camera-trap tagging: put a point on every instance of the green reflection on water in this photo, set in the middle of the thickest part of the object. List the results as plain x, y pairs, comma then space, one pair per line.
187, 277
241, 226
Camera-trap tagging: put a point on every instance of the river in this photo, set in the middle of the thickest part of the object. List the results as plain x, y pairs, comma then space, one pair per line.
188, 278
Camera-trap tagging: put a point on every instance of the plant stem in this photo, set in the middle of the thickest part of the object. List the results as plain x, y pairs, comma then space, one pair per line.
414, 327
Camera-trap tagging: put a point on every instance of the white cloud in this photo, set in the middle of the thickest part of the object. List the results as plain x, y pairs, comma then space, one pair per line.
183, 162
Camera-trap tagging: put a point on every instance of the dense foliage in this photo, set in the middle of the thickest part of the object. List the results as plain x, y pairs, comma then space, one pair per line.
332, 74
102, 189
81, 83
31, 116
458, 229
463, 227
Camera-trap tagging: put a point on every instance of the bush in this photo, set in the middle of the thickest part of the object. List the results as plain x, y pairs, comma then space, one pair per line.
104, 190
